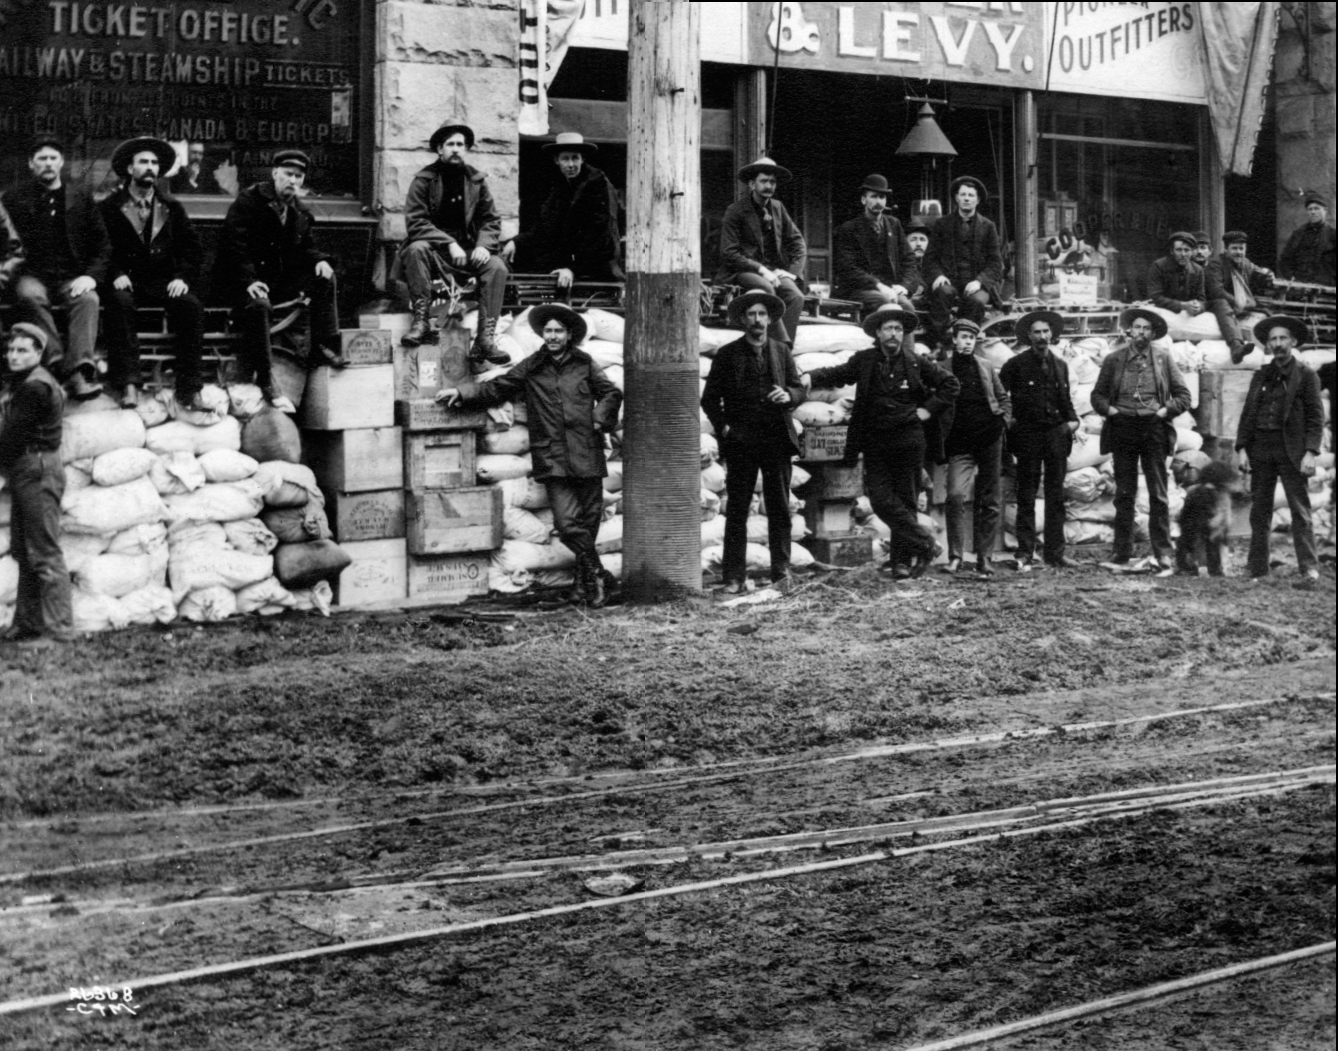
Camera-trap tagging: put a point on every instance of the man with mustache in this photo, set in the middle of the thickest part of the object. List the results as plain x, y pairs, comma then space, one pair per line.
1309, 254
964, 263
193, 178
1231, 283
1203, 248
874, 264
1175, 281
750, 396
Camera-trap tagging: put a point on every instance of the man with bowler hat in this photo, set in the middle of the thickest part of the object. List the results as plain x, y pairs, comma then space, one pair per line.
1281, 429
750, 396
1309, 254
964, 263
1231, 283
762, 248
1175, 281
155, 260
874, 265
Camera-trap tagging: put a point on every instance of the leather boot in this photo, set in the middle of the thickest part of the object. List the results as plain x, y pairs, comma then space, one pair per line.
485, 343
327, 352
82, 388
577, 593
594, 582
421, 329
130, 396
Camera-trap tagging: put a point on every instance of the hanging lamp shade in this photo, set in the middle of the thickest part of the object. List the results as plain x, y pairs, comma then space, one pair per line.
926, 138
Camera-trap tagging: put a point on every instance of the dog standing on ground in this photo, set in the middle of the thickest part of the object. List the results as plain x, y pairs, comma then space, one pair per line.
1205, 521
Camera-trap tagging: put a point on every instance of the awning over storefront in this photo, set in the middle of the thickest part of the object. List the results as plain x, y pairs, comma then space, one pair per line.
1238, 39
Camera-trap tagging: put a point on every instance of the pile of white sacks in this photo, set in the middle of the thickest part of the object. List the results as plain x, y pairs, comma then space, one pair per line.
168, 514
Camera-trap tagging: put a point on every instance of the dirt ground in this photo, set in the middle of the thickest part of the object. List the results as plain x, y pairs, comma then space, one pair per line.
177, 799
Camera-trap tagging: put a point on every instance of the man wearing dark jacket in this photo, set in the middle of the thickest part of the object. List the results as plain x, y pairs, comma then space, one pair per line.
1309, 254
577, 235
898, 396
155, 260
268, 255
1281, 429
874, 264
750, 396
66, 251
964, 264
570, 406
1175, 281
1231, 283
451, 221
762, 248
1140, 391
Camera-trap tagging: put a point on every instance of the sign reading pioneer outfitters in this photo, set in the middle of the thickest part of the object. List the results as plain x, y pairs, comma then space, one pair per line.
242, 77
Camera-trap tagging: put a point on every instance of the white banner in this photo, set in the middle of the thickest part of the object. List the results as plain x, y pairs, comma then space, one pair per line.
603, 24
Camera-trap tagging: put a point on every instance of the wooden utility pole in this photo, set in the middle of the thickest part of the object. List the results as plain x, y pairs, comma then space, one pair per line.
662, 430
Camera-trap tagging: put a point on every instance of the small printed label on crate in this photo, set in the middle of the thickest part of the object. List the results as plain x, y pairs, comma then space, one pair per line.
367, 347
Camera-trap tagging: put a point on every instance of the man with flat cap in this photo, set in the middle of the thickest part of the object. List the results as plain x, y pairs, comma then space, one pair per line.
155, 261
1231, 283
1175, 281
571, 405
894, 423
1042, 435
964, 264
65, 258
450, 221
874, 265
577, 235
1281, 429
762, 248
1203, 248
1309, 254
267, 256
750, 396
1140, 391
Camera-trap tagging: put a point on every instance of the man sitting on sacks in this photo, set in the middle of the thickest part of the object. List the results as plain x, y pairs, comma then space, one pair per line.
1231, 283
571, 405
1309, 253
268, 256
451, 222
577, 235
30, 430
898, 397
874, 264
750, 396
155, 260
1203, 248
963, 266
1175, 281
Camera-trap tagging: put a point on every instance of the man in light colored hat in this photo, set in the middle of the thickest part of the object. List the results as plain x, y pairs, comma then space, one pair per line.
762, 248
874, 264
572, 406
964, 264
750, 396
1231, 283
155, 261
1175, 281
1279, 436
1309, 254
1140, 391
899, 397
577, 235
450, 221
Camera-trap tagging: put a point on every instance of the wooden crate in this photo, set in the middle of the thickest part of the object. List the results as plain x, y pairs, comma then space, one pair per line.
854, 549
386, 322
1221, 400
367, 346
350, 399
356, 461
835, 481
829, 518
440, 460
453, 521
448, 578
365, 516
424, 414
823, 444
379, 573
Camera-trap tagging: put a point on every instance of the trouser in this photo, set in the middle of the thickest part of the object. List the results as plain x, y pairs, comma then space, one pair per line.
1140, 441
578, 508
1269, 464
974, 476
185, 320
870, 299
892, 466
785, 327
36, 483
34, 304
254, 318
421, 259
1041, 450
946, 303
744, 460
1225, 313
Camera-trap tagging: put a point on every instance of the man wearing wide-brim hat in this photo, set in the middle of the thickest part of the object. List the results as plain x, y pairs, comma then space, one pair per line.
571, 405
155, 262
577, 235
873, 263
1309, 253
963, 266
1232, 282
762, 248
899, 397
452, 226
1175, 281
1279, 436
750, 396
1139, 392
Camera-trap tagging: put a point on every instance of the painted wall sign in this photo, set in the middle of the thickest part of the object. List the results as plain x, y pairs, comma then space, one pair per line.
603, 24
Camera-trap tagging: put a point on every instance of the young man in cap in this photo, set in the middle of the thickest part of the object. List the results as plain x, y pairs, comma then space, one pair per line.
1281, 429
1309, 254
964, 264
1175, 281
1140, 391
66, 251
1231, 283
577, 235
750, 396
571, 405
974, 425
30, 414
762, 248
1203, 248
268, 255
451, 221
874, 264
193, 178
1041, 437
155, 260
898, 397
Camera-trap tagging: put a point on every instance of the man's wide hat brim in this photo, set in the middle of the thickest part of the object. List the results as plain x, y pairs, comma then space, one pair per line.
762, 166
125, 153
446, 131
560, 312
1159, 327
774, 304
1299, 329
883, 315
1024, 323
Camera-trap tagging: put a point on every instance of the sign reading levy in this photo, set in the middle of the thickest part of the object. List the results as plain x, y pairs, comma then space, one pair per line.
988, 43
1146, 51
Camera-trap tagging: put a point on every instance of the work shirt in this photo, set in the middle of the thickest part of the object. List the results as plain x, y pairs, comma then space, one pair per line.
975, 424
1273, 395
453, 203
770, 256
965, 230
1033, 380
1137, 394
141, 216
893, 404
49, 248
